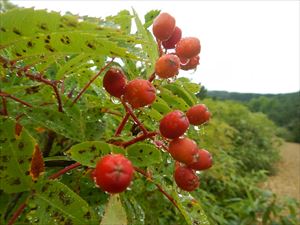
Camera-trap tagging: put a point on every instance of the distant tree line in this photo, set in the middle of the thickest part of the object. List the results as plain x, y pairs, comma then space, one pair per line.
283, 109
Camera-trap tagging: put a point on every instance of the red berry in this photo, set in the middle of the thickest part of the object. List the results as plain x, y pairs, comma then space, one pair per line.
173, 40
163, 26
192, 63
185, 178
198, 114
183, 150
139, 93
173, 124
114, 82
113, 173
167, 66
203, 160
188, 47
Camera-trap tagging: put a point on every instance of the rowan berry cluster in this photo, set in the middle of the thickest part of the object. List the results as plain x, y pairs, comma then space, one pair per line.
114, 172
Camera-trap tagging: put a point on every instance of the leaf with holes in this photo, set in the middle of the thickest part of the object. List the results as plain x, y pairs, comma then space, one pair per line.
142, 154
53, 201
114, 212
15, 157
88, 153
190, 208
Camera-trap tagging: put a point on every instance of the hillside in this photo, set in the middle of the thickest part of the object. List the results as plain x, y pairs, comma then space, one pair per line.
283, 109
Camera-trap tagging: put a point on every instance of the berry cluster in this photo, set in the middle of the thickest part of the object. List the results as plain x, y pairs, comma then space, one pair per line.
114, 172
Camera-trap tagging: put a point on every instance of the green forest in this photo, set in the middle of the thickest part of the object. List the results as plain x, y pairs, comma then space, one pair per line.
283, 109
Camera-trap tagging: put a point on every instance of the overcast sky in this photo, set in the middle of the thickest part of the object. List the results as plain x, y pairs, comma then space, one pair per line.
247, 46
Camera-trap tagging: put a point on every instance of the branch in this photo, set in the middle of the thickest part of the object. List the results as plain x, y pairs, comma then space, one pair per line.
4, 106
53, 84
64, 170
159, 187
91, 81
4, 94
139, 138
135, 119
122, 124
17, 213
152, 77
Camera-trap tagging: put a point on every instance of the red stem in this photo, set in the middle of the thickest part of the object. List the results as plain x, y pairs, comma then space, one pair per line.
4, 110
159, 47
159, 187
122, 124
64, 170
135, 119
91, 81
17, 213
152, 77
4, 94
139, 138
52, 84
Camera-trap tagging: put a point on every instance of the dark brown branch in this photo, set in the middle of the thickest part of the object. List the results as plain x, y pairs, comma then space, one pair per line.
17, 213
134, 117
4, 94
152, 77
64, 170
91, 81
139, 138
4, 106
53, 84
122, 124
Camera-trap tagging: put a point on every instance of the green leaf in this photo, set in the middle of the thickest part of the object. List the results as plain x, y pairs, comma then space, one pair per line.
148, 47
61, 123
150, 16
114, 212
88, 153
30, 33
15, 157
190, 209
142, 154
181, 92
53, 201
172, 99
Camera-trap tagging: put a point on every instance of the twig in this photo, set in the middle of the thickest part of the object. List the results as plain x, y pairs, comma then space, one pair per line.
64, 170
91, 81
159, 187
4, 94
53, 84
152, 77
17, 213
135, 119
4, 106
122, 124
139, 138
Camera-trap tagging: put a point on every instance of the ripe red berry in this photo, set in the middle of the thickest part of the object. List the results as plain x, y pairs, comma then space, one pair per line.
173, 124
188, 47
173, 40
167, 66
113, 173
203, 160
185, 178
192, 63
163, 26
183, 150
114, 82
139, 93
198, 114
